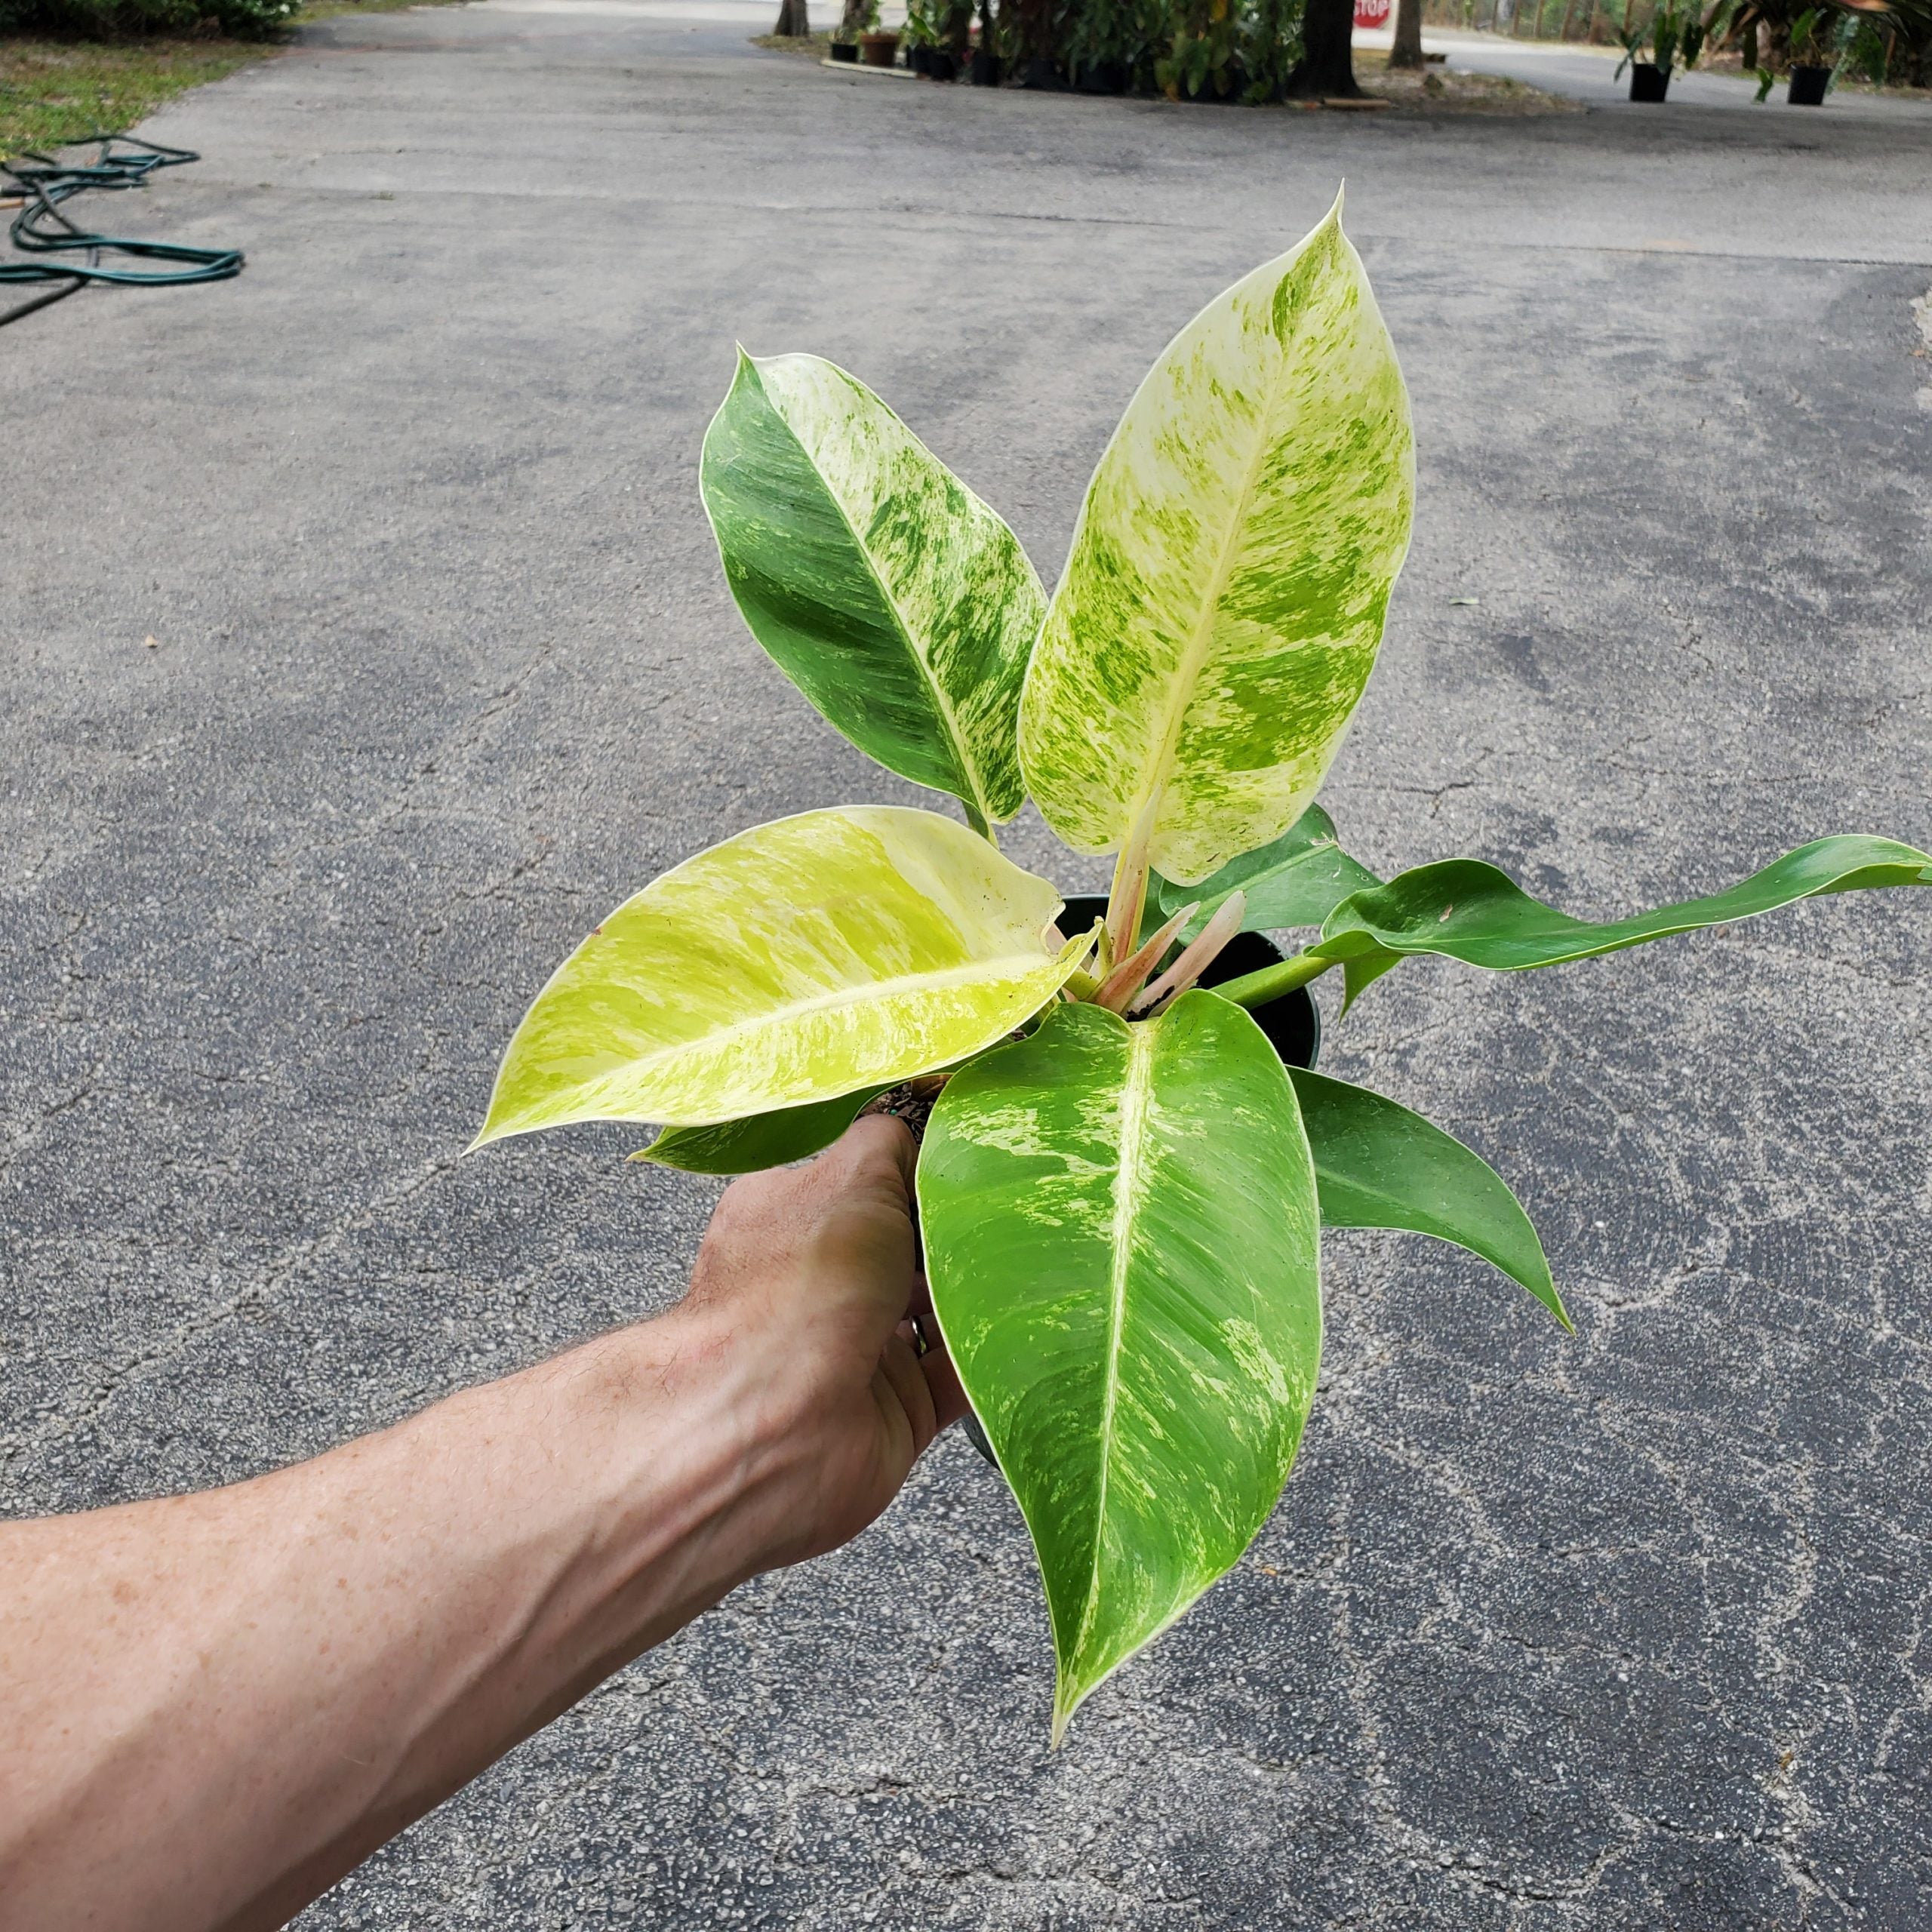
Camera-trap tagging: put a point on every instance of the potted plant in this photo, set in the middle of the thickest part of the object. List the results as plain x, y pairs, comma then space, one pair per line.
1121, 1186
1670, 33
986, 65
1812, 61
918, 36
1098, 57
856, 19
925, 37
1810, 38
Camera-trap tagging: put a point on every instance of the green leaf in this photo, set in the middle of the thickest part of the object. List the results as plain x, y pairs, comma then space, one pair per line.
1222, 607
1298, 881
1120, 1235
792, 964
757, 1141
1471, 912
888, 593
1378, 1165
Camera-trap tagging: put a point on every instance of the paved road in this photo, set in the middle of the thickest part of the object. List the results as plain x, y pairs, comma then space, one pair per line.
1589, 74
1629, 1631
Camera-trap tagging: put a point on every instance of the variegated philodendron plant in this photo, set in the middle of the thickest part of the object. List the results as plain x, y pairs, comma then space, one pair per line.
1121, 1187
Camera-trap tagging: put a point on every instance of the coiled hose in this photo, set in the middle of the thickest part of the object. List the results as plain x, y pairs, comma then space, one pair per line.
44, 184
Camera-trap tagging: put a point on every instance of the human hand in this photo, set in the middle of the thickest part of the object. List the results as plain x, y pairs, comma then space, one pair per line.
811, 1273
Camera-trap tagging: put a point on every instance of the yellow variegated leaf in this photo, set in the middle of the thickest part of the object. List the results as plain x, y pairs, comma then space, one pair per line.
797, 962
1222, 605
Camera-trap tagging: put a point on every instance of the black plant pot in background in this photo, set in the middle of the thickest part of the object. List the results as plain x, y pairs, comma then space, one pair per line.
1103, 76
1042, 76
1807, 86
1293, 1023
845, 49
917, 58
985, 70
1648, 83
941, 65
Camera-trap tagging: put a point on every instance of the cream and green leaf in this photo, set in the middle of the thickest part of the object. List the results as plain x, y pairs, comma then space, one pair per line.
1121, 1240
900, 603
792, 964
1222, 605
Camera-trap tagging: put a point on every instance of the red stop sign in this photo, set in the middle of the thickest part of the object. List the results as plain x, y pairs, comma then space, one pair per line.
1372, 13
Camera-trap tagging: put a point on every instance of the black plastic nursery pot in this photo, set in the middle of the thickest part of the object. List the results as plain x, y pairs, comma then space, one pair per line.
846, 50
1042, 76
1103, 76
1648, 82
916, 58
985, 70
1807, 87
1293, 1023
941, 65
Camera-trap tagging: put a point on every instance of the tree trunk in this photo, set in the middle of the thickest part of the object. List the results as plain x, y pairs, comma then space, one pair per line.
1327, 72
1407, 51
854, 20
793, 19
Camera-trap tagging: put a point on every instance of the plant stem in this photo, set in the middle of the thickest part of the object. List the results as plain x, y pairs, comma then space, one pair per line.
1126, 897
1127, 979
1254, 989
1198, 958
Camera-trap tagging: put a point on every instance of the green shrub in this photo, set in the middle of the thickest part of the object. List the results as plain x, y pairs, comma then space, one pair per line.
1224, 50
130, 19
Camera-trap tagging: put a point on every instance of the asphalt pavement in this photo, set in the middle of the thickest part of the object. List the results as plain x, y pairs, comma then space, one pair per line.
362, 641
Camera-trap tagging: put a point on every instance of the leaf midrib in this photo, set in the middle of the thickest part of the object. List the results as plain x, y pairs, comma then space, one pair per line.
1130, 1185
973, 972
961, 750
1195, 658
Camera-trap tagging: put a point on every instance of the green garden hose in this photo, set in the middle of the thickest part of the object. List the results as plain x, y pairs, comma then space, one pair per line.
43, 183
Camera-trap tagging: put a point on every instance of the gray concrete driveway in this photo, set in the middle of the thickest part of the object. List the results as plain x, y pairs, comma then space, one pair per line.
1625, 1632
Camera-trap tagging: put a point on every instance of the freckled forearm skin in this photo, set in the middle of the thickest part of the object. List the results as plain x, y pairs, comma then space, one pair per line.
212, 1706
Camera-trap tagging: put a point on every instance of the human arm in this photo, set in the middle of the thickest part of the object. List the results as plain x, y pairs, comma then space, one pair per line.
212, 1706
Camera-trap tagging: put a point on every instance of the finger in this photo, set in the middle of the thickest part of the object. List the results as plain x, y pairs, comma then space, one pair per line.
876, 1147
949, 1402
949, 1397
901, 1367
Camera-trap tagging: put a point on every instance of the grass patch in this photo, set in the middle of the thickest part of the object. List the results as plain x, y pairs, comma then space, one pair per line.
1436, 90
54, 92
817, 45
